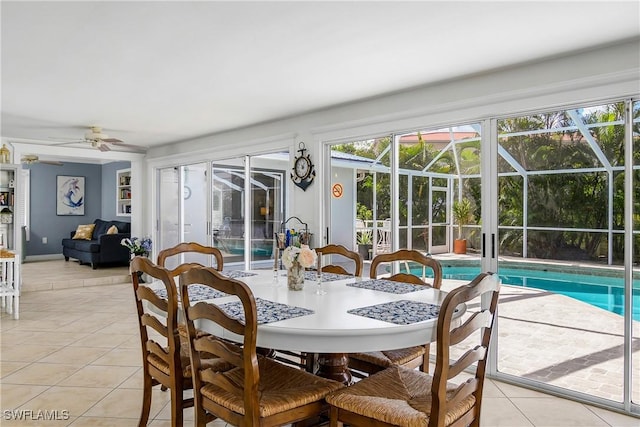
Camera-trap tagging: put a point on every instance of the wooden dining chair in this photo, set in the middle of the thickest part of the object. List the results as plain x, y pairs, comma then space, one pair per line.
257, 391
342, 252
411, 357
185, 248
163, 361
399, 396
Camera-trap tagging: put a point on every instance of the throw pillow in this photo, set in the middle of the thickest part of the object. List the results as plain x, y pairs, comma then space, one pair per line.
112, 230
84, 232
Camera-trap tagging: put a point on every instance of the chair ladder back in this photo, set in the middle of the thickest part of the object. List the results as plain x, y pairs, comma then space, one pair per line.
162, 317
407, 278
335, 269
246, 359
190, 247
226, 350
332, 249
447, 369
169, 307
406, 255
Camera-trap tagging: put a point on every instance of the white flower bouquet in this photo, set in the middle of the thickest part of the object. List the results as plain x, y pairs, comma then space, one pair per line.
303, 255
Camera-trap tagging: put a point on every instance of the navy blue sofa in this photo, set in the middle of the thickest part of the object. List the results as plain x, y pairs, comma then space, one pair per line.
103, 248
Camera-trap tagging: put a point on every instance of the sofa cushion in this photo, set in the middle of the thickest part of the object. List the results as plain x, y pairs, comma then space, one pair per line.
87, 246
112, 230
69, 243
103, 226
123, 227
84, 231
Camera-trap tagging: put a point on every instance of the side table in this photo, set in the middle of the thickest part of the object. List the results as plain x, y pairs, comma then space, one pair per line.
10, 282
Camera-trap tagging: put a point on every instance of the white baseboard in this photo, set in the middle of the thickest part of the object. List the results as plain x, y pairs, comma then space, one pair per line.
47, 257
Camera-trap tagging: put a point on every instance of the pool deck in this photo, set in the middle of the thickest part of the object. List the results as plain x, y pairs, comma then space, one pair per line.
559, 340
563, 342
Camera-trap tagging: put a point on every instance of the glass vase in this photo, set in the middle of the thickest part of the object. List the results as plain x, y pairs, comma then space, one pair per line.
295, 277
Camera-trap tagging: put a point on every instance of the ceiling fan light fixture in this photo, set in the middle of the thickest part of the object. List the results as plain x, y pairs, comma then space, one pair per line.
95, 134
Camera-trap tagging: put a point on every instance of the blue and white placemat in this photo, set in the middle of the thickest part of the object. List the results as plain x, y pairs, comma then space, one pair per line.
236, 274
326, 277
387, 286
403, 312
268, 311
196, 293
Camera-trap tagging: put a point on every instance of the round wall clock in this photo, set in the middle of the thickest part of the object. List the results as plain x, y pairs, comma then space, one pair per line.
303, 172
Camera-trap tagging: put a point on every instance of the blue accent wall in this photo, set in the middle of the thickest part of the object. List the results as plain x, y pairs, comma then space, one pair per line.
100, 194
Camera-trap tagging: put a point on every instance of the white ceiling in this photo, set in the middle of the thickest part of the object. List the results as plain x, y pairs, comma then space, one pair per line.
153, 73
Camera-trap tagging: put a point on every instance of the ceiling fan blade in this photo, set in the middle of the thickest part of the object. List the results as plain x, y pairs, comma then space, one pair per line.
103, 147
51, 162
136, 148
112, 141
66, 140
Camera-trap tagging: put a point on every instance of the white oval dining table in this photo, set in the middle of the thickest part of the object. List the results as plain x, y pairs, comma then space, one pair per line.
330, 330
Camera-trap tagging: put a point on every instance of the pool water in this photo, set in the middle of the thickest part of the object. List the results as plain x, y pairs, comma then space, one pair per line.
601, 291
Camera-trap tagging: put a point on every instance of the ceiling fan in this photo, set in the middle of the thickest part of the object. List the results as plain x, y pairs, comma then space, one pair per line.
101, 140
30, 159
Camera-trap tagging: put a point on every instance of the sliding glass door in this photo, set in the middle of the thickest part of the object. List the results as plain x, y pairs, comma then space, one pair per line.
564, 251
551, 201
248, 208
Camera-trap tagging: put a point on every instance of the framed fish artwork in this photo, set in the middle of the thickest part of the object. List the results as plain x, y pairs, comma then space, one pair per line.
69, 195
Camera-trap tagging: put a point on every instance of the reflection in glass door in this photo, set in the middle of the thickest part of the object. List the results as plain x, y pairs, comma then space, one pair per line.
267, 205
227, 209
265, 197
194, 207
635, 250
168, 209
182, 210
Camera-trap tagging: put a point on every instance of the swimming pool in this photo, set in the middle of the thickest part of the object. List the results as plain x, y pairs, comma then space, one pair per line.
605, 292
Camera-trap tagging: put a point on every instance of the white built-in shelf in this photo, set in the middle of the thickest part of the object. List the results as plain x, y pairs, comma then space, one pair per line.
123, 192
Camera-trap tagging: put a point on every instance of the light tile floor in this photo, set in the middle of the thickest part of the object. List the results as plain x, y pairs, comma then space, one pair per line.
76, 351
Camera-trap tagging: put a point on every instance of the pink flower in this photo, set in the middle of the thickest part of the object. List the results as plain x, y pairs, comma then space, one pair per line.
307, 257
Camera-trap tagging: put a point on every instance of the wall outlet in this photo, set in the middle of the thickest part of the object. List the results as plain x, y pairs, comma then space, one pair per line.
44, 240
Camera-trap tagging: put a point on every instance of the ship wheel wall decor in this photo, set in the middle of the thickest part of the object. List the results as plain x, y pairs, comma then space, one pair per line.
303, 170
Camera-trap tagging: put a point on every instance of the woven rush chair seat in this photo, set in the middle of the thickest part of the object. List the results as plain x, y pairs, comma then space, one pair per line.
412, 357
213, 363
281, 389
258, 390
398, 396
384, 359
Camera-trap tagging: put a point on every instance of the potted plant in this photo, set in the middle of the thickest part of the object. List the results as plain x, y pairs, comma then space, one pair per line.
364, 238
365, 243
462, 214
